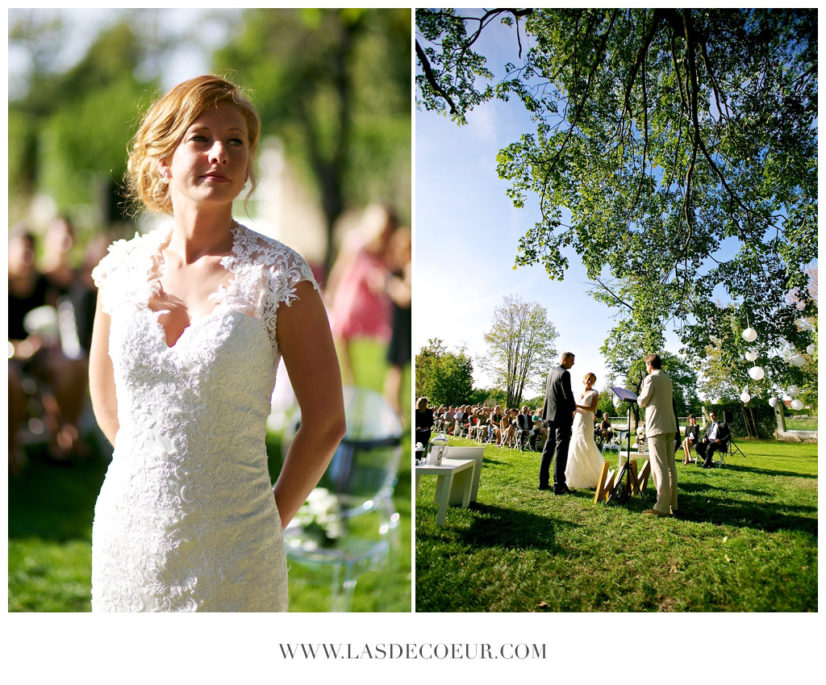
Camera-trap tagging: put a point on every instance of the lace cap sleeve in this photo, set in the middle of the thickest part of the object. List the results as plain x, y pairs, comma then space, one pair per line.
267, 273
121, 275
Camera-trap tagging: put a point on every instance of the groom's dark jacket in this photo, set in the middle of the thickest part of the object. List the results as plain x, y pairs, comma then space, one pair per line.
559, 399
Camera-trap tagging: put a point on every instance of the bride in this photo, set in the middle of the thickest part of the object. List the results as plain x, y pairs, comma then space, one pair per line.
182, 367
584, 458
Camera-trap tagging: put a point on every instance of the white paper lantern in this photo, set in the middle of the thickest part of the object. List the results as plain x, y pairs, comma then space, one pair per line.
797, 405
749, 335
772, 402
745, 397
793, 390
810, 349
797, 360
751, 355
616, 401
756, 373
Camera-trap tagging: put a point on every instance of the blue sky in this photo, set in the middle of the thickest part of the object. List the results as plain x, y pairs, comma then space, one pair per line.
467, 232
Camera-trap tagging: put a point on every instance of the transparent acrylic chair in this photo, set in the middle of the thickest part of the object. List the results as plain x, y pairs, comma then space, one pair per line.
361, 477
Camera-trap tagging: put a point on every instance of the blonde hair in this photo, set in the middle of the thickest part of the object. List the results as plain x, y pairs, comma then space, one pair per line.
590, 376
163, 127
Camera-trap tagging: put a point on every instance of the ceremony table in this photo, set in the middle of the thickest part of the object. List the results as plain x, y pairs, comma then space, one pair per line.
475, 453
454, 484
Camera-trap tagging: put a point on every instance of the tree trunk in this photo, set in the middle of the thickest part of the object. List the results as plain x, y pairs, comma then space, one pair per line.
745, 420
780, 417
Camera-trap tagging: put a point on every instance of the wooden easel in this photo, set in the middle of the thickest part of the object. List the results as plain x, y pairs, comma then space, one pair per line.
607, 476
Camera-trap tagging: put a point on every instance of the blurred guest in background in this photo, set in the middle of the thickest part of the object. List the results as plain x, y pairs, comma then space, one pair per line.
399, 289
356, 287
47, 388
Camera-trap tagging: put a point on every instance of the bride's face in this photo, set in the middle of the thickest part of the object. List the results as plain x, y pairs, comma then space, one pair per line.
211, 162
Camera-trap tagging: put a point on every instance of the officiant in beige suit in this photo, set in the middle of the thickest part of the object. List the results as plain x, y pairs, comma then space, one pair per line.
656, 395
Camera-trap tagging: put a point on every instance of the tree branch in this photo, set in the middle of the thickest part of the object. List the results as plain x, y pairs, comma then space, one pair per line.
616, 297
431, 77
578, 110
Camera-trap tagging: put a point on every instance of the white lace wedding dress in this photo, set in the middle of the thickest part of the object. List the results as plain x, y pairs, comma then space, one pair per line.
584, 458
186, 519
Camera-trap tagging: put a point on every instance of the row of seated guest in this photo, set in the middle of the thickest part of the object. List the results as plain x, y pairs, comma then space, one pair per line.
47, 369
505, 428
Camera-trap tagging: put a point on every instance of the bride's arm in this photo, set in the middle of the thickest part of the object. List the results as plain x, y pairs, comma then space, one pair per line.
102, 377
304, 338
592, 405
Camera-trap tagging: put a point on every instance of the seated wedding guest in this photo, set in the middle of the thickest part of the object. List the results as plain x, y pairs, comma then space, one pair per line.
508, 428
448, 420
715, 438
437, 417
540, 431
605, 429
424, 422
57, 247
525, 426
482, 424
692, 437
473, 422
494, 424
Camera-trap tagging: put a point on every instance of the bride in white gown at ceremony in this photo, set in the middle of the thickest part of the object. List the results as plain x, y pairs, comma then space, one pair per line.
584, 458
182, 368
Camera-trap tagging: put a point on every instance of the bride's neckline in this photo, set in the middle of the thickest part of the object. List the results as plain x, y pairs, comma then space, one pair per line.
155, 274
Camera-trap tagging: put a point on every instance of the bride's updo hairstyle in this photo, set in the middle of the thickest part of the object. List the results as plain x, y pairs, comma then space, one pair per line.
590, 376
163, 128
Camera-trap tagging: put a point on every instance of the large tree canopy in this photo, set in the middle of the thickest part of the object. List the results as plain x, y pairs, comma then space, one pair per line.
682, 144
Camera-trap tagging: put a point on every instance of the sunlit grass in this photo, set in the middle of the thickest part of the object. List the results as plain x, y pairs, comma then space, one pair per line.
745, 540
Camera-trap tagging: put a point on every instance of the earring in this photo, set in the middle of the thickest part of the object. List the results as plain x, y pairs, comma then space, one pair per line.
164, 176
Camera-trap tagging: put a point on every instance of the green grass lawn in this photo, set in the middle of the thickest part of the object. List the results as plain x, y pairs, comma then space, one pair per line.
801, 423
50, 528
745, 540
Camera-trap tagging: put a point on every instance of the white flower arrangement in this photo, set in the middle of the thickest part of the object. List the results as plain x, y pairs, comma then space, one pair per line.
320, 517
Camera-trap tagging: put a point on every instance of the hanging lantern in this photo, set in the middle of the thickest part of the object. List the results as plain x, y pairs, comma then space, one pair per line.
797, 360
772, 402
745, 398
749, 335
616, 401
793, 390
810, 349
751, 355
756, 373
797, 405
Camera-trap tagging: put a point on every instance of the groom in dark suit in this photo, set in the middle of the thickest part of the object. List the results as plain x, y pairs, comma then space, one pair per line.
558, 415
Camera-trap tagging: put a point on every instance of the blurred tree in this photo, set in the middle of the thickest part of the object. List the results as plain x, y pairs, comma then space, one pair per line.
69, 130
334, 85
606, 402
521, 347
